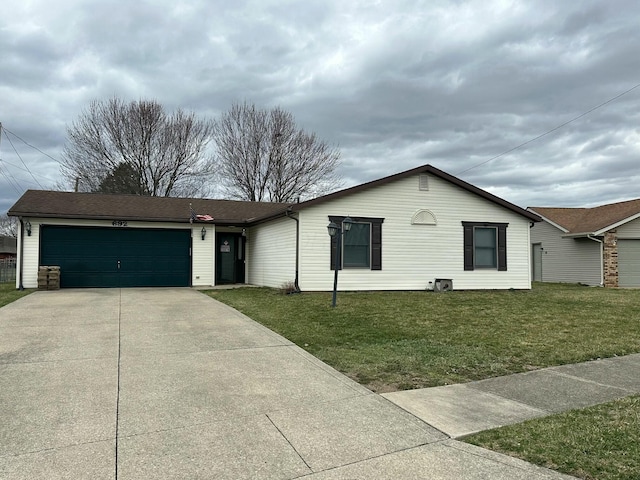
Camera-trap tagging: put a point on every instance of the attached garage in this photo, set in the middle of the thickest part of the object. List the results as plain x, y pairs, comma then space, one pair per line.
117, 257
628, 263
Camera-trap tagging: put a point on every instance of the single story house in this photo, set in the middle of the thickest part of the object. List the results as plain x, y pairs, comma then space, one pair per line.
408, 230
592, 246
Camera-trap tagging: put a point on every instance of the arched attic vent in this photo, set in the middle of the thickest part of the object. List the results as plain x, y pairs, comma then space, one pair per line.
423, 217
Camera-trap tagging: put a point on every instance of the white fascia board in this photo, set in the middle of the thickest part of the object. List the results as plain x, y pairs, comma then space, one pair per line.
559, 227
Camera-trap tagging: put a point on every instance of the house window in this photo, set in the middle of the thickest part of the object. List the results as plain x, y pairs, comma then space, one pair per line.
362, 245
485, 245
356, 248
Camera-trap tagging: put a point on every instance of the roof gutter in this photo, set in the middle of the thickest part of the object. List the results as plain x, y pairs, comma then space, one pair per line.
295, 282
601, 257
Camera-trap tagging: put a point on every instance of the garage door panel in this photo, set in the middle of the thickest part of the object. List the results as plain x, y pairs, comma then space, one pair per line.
629, 263
114, 257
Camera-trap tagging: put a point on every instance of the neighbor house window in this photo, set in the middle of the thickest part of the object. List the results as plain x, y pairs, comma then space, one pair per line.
485, 245
361, 247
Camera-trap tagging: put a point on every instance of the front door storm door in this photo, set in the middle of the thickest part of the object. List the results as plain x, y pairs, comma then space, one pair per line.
229, 258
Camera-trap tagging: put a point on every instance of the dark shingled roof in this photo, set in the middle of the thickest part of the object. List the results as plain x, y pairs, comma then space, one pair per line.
8, 244
44, 203
590, 220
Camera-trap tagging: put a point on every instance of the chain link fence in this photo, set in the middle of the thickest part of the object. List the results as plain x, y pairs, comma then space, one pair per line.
7, 270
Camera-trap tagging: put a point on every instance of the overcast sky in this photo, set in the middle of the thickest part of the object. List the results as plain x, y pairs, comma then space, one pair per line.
394, 84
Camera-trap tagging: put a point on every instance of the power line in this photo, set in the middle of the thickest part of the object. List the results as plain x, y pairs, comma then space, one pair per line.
29, 145
552, 130
18, 167
25, 165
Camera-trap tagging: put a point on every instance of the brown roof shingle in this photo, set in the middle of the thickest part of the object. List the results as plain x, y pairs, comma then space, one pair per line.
590, 220
45, 203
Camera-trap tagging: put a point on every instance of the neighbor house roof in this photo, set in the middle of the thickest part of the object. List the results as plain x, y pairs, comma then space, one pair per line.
7, 244
591, 221
44, 203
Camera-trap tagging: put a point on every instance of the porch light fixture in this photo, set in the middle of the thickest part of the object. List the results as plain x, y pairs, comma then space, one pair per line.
27, 226
203, 232
334, 230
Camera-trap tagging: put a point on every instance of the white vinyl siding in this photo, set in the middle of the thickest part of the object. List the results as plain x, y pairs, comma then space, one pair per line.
203, 263
567, 260
629, 230
271, 249
413, 255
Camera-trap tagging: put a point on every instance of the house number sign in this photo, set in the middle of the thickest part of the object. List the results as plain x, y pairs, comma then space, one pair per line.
119, 223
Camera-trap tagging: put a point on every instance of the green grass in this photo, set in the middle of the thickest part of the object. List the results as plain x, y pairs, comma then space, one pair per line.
401, 340
601, 442
9, 293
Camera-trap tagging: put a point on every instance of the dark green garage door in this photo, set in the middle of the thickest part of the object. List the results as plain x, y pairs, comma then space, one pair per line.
117, 257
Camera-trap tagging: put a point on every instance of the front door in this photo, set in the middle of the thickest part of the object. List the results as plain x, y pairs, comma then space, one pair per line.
229, 258
537, 262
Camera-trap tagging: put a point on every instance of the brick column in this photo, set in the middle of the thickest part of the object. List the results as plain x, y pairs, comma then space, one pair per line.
610, 259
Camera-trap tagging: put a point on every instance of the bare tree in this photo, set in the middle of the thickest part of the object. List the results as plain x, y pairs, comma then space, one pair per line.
167, 153
8, 226
264, 156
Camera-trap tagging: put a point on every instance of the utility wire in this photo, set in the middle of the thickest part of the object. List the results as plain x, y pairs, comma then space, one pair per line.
29, 145
25, 165
552, 130
14, 185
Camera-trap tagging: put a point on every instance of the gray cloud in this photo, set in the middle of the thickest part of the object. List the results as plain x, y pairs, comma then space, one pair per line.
393, 84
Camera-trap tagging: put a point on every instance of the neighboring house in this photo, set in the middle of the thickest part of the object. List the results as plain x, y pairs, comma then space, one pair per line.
410, 229
8, 247
593, 246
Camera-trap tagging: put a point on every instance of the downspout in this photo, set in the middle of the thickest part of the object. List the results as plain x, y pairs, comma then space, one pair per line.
295, 282
601, 258
20, 285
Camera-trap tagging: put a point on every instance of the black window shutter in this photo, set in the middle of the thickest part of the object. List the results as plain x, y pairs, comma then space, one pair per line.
376, 246
502, 248
468, 247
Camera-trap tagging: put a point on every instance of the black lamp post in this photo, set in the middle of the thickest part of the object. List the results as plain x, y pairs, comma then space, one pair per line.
334, 230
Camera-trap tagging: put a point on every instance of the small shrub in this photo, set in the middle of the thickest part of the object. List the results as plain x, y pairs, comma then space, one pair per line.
288, 288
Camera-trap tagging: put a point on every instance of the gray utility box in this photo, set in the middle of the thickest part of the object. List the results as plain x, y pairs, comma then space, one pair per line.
443, 285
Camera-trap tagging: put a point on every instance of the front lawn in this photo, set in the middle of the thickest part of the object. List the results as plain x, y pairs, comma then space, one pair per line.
9, 293
601, 442
401, 340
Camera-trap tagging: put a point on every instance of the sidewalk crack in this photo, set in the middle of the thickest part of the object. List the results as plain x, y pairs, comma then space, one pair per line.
290, 444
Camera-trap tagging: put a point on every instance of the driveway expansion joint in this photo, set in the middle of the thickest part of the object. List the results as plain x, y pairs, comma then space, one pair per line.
290, 444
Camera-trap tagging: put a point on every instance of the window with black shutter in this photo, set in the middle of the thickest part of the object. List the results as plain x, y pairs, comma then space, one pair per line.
485, 245
360, 247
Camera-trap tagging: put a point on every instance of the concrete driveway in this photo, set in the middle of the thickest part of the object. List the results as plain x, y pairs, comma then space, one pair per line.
170, 384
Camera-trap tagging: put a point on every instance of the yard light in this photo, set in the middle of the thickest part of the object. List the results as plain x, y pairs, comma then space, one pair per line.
335, 230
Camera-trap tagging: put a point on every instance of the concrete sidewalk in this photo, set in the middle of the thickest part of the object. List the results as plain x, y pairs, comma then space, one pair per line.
460, 410
170, 384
